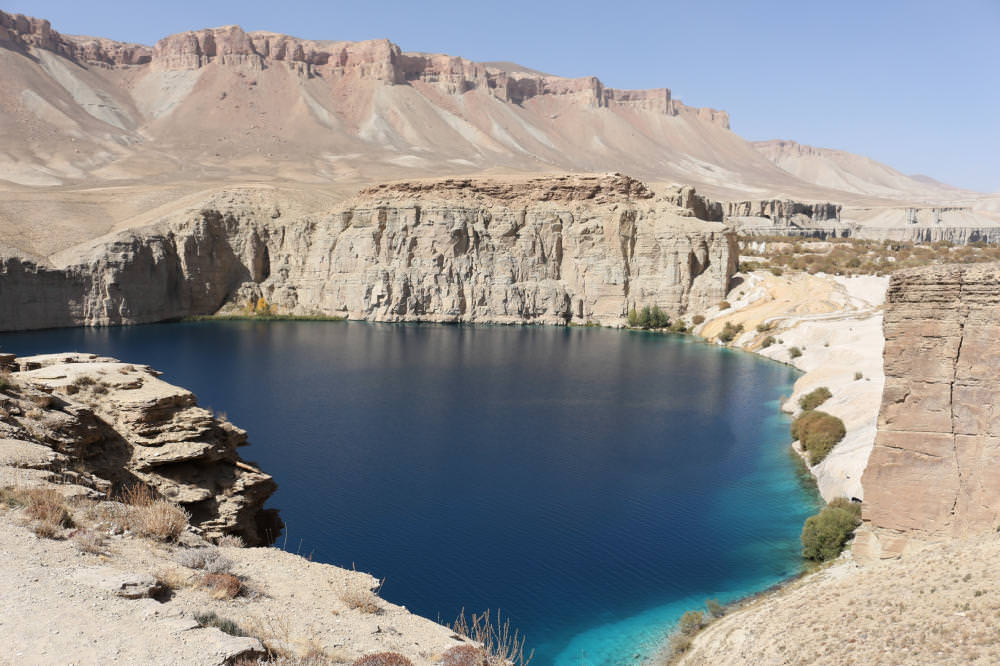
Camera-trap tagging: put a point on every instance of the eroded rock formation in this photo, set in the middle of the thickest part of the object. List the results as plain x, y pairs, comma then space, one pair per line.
110, 424
540, 250
935, 468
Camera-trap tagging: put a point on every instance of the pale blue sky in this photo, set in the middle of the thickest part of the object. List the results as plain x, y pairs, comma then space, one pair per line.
915, 84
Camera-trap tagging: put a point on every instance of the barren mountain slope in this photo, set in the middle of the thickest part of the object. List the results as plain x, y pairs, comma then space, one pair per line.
222, 103
840, 170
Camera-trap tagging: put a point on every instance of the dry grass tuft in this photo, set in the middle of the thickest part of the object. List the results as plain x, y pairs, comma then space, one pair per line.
42, 400
149, 516
501, 644
464, 655
7, 381
231, 541
208, 559
88, 542
45, 507
359, 596
223, 586
173, 579
382, 659
160, 520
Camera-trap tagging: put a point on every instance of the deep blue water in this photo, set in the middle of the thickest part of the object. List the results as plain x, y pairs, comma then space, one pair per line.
592, 484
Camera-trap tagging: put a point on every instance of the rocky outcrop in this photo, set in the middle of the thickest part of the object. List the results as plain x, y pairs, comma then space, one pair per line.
543, 250
21, 32
114, 424
935, 468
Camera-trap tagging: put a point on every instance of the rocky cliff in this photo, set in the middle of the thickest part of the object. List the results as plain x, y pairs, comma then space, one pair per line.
110, 425
543, 250
934, 468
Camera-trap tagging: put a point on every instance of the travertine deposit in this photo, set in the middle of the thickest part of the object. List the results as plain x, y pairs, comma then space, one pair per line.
114, 424
545, 250
934, 469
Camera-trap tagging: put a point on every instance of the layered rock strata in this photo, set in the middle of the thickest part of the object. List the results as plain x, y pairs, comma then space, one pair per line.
935, 467
113, 424
545, 250
377, 59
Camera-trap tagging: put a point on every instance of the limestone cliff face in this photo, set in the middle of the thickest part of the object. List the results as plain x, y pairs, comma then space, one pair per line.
935, 468
545, 250
112, 424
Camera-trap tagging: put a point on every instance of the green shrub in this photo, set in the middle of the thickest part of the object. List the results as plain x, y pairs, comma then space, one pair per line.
857, 376
729, 332
764, 327
633, 317
815, 398
818, 432
697, 319
715, 609
679, 327
724, 305
776, 270
768, 341
794, 352
824, 535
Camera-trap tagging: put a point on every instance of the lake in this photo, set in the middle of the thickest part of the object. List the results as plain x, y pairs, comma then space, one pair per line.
592, 484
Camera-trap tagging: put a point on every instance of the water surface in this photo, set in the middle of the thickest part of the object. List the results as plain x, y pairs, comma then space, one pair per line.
593, 484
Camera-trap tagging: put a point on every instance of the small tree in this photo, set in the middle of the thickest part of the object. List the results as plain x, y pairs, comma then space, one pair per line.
658, 318
633, 317
645, 315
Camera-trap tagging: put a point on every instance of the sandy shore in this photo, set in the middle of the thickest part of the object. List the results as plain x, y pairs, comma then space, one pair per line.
836, 324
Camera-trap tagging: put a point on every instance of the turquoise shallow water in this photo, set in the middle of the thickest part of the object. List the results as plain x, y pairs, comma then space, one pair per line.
592, 484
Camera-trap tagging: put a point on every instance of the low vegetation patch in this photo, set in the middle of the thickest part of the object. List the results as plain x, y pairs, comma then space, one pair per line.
729, 331
210, 619
648, 317
852, 256
208, 559
501, 644
691, 623
46, 508
382, 659
150, 516
824, 535
794, 352
359, 596
88, 542
464, 655
815, 398
222, 586
818, 432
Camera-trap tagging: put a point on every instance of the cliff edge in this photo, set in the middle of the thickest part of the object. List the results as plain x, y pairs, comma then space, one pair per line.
934, 469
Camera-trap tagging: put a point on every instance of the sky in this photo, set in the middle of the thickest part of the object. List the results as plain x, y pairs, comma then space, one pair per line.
912, 83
